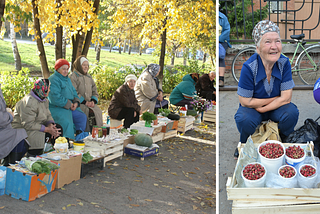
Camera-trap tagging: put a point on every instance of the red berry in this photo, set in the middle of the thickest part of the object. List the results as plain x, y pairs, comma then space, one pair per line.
271, 150
253, 171
287, 172
307, 170
294, 152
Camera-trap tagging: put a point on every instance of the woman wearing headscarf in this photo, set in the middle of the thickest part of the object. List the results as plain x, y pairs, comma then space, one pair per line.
124, 104
13, 145
64, 102
87, 91
32, 113
185, 91
265, 86
146, 90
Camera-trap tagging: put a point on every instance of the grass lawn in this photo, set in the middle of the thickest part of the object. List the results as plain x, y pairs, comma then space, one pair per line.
30, 59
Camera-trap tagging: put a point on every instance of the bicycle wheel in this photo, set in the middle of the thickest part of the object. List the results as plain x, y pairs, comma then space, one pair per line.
241, 57
308, 69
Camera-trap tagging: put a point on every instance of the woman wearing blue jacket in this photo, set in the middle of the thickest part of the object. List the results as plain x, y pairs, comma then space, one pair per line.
185, 91
64, 102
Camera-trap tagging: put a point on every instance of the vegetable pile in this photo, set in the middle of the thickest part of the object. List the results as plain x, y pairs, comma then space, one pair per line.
294, 152
271, 150
134, 131
61, 140
40, 166
86, 157
307, 171
253, 171
124, 130
164, 112
287, 172
147, 116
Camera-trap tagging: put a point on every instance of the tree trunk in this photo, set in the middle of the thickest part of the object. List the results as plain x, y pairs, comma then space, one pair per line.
173, 55
2, 8
77, 44
111, 45
162, 52
204, 60
124, 46
129, 48
59, 32
185, 56
64, 45
98, 51
119, 43
89, 33
42, 53
16, 55
140, 49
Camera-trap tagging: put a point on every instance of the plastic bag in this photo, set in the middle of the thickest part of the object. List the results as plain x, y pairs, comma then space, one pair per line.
276, 181
307, 132
268, 130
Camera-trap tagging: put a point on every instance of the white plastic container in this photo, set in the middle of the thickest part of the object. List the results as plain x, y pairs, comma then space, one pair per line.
255, 183
295, 162
61, 147
289, 182
272, 165
307, 182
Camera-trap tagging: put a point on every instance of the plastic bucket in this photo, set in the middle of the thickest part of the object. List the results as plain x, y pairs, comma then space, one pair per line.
255, 183
272, 165
307, 182
289, 182
295, 162
78, 147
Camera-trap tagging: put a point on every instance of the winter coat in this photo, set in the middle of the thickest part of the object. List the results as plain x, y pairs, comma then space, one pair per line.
62, 95
205, 84
185, 89
123, 97
146, 92
9, 137
33, 114
87, 90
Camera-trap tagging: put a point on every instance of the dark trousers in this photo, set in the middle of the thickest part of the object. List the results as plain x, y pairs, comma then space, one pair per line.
208, 95
185, 102
17, 153
127, 115
248, 119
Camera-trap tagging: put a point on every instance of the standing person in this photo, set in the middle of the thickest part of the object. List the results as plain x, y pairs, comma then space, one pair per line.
146, 90
124, 104
265, 85
224, 39
185, 91
32, 113
87, 91
64, 102
13, 145
205, 86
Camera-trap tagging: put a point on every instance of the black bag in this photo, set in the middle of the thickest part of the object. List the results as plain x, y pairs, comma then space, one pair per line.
307, 132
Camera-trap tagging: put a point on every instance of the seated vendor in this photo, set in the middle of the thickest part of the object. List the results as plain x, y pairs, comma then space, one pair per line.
205, 86
124, 104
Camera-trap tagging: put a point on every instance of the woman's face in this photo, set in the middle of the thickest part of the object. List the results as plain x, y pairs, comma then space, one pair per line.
131, 83
63, 70
85, 67
270, 47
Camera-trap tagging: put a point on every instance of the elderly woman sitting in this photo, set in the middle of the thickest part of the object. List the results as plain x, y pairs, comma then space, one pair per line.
205, 86
12, 141
64, 102
265, 86
124, 104
146, 90
32, 113
185, 91
87, 91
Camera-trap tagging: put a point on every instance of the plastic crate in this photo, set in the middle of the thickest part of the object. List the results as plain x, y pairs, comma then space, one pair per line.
92, 165
3, 181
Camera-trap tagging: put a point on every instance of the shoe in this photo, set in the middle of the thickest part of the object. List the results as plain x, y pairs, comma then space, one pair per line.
236, 154
221, 83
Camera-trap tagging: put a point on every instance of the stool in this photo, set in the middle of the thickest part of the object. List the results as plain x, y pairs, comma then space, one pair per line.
114, 123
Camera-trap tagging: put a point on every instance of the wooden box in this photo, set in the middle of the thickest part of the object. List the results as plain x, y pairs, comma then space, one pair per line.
158, 137
273, 200
185, 124
209, 116
170, 134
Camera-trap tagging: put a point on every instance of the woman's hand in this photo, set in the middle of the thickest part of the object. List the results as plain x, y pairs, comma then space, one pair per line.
160, 96
134, 114
74, 106
53, 130
90, 104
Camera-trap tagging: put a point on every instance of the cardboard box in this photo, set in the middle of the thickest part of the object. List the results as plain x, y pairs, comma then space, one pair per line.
170, 126
141, 151
273, 200
69, 171
28, 187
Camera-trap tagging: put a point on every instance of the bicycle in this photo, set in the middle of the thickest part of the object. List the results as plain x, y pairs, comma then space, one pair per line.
306, 66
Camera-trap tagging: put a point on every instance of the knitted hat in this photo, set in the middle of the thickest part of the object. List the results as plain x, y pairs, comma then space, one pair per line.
61, 62
83, 59
262, 28
131, 77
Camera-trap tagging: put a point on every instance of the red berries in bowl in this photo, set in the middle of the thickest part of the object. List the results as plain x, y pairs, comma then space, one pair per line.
287, 171
307, 170
271, 150
295, 152
253, 171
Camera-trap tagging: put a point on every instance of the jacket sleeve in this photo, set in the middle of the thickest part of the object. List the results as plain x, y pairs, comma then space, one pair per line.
5, 117
206, 84
146, 88
55, 96
49, 116
28, 112
225, 29
95, 94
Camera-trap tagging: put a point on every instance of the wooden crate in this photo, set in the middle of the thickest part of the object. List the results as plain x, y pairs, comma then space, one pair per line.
272, 200
170, 134
113, 150
158, 137
185, 124
209, 116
